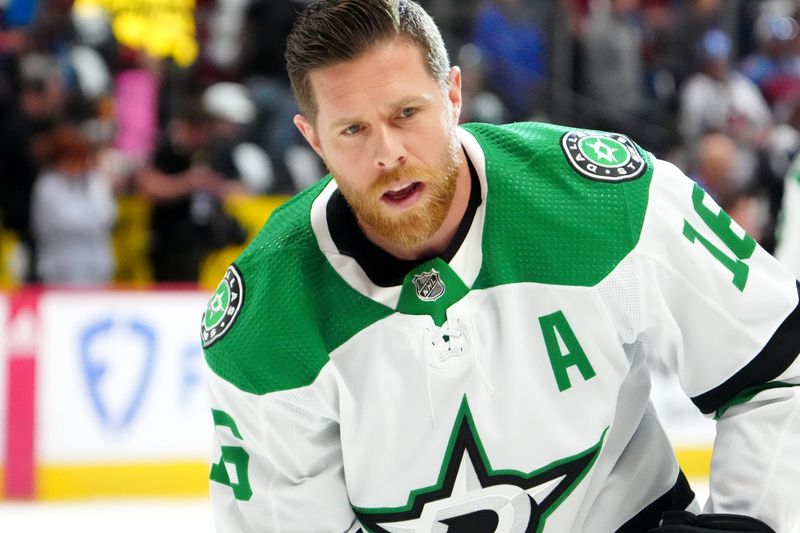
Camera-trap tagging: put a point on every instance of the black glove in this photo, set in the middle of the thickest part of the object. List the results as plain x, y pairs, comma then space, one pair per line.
686, 522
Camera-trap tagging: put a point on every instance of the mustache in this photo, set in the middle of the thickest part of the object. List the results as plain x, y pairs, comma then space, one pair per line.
402, 173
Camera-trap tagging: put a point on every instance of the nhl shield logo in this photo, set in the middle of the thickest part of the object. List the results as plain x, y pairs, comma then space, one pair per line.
223, 307
603, 156
429, 285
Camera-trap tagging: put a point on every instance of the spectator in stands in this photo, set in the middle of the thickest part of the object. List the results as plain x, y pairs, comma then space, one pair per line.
714, 167
719, 99
231, 112
72, 214
614, 75
671, 34
188, 220
660, 49
784, 142
24, 121
135, 96
478, 104
694, 19
715, 171
577, 13
775, 66
613, 49
513, 49
266, 26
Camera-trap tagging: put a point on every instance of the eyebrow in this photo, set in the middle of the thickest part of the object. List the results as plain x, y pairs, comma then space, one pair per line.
403, 102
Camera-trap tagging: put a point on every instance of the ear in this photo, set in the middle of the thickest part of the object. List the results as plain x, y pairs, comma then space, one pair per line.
307, 130
454, 92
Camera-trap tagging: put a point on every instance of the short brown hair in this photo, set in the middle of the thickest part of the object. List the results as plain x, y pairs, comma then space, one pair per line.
334, 31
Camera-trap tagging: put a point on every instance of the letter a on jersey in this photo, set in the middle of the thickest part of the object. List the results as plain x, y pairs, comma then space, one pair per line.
471, 497
555, 326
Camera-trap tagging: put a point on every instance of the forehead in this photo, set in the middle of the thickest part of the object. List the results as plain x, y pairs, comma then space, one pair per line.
388, 72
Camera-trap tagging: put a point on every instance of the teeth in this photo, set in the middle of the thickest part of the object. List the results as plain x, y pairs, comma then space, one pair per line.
401, 187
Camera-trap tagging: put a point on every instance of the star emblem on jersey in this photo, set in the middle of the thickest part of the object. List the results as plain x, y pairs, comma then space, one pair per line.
429, 285
472, 497
223, 307
603, 156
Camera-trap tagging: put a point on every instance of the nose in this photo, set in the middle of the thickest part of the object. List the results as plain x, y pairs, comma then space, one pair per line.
389, 149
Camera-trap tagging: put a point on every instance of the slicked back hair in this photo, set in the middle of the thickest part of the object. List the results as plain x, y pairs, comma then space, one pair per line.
329, 32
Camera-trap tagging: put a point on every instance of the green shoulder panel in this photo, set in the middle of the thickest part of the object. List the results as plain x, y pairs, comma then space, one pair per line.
291, 313
565, 206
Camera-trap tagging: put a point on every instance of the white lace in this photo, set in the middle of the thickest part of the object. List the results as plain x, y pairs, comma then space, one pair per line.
447, 342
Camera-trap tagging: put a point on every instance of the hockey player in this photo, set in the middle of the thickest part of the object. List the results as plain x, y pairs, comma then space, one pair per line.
451, 332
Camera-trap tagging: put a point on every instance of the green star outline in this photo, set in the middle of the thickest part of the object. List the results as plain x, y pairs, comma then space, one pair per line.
464, 416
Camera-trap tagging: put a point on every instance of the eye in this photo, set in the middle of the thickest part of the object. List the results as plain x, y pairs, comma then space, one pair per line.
408, 112
351, 130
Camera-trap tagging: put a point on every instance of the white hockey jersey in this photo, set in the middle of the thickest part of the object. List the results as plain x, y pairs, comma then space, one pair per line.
504, 386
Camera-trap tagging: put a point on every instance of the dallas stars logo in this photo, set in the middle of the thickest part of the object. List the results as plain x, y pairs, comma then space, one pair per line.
603, 156
223, 307
472, 497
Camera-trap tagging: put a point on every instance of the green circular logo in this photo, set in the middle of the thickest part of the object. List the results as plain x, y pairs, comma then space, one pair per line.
603, 156
223, 307
218, 305
604, 151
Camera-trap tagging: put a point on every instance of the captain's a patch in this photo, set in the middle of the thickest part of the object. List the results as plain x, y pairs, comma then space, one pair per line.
223, 307
603, 156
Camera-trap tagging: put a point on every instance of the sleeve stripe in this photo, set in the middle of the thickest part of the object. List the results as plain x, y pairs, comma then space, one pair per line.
776, 356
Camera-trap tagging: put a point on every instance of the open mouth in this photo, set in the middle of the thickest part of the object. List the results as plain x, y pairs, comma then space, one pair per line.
403, 194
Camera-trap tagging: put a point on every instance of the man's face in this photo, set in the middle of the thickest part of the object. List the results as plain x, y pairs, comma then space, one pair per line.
387, 132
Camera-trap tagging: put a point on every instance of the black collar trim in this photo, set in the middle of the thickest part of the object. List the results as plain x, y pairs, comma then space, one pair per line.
382, 268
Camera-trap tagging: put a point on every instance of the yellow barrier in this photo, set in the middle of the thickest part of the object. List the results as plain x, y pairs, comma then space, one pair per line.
132, 232
8, 247
695, 462
130, 239
72, 482
251, 212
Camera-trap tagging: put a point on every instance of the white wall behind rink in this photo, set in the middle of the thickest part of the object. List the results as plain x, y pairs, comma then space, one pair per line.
120, 377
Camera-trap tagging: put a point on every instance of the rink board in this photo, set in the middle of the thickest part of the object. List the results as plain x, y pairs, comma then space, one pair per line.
119, 397
118, 400
3, 388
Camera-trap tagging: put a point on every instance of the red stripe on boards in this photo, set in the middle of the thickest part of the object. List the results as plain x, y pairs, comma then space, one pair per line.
23, 326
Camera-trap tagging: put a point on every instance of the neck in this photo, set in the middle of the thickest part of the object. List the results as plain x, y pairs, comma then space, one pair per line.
440, 240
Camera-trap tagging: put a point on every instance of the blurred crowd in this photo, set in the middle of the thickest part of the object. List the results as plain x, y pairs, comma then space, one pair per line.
712, 86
